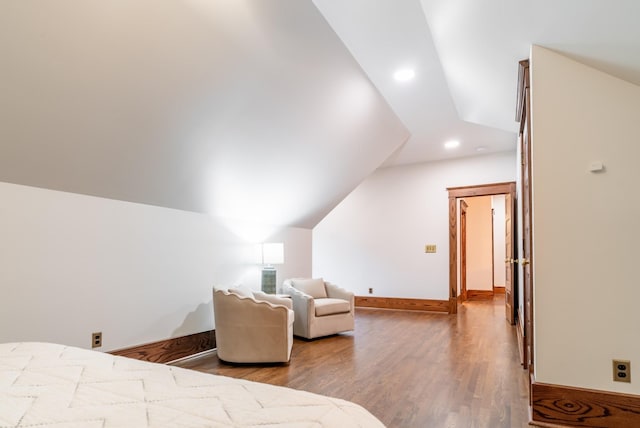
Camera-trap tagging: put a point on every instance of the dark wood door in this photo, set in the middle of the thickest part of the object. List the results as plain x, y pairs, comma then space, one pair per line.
526, 243
509, 294
527, 238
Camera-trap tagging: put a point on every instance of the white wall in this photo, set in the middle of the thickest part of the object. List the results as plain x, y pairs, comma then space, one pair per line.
479, 254
585, 240
72, 264
376, 236
499, 246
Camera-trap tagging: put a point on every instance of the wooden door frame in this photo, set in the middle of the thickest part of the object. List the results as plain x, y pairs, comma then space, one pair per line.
463, 251
493, 249
466, 192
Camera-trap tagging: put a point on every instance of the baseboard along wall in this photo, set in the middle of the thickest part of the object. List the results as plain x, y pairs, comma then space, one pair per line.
566, 406
171, 349
479, 294
402, 303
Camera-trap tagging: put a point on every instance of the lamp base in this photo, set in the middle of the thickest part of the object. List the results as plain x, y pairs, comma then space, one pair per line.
269, 281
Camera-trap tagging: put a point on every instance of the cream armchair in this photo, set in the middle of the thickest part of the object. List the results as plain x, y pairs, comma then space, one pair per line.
252, 327
320, 308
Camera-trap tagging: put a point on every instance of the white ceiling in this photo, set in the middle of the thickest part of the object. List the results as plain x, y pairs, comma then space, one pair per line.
466, 53
271, 111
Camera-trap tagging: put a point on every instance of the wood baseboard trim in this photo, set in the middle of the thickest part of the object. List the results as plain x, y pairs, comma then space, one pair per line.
545, 425
168, 350
401, 303
479, 294
498, 290
188, 357
557, 405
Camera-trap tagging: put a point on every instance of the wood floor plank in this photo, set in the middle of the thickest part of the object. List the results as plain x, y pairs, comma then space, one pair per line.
409, 368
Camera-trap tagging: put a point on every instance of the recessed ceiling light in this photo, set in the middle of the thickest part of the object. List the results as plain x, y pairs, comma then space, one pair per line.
481, 149
452, 144
404, 74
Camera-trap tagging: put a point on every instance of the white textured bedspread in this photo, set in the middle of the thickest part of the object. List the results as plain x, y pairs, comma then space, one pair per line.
48, 385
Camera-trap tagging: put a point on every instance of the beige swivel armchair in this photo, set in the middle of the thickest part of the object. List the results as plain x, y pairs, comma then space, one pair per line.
252, 327
320, 308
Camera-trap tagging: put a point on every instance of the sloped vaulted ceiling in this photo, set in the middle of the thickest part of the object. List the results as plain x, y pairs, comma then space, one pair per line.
465, 57
245, 109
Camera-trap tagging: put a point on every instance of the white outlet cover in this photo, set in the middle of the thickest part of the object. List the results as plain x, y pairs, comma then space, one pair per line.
596, 166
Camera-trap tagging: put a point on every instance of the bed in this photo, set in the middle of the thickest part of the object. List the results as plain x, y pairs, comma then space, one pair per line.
50, 385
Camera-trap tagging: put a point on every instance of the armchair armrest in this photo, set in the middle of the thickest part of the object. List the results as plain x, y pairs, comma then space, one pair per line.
336, 292
303, 308
264, 297
295, 293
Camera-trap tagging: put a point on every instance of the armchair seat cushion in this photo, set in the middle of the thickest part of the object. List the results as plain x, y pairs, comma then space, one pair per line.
328, 306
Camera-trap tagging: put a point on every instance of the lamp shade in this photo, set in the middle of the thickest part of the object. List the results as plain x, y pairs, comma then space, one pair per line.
272, 253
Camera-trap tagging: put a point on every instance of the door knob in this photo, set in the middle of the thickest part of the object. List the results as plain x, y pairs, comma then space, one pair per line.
524, 262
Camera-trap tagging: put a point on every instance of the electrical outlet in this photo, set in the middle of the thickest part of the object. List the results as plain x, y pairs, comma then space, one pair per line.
430, 248
370, 290
621, 371
96, 339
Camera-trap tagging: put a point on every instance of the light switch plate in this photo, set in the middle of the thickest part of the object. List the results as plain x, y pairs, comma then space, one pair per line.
430, 248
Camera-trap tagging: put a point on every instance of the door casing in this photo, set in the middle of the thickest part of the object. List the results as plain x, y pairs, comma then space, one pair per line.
507, 188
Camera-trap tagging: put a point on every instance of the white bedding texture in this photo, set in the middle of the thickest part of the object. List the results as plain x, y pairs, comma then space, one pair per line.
50, 385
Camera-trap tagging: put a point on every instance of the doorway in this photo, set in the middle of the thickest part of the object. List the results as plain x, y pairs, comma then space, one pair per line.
457, 193
482, 247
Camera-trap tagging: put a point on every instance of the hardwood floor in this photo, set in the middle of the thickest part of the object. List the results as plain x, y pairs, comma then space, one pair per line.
410, 369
